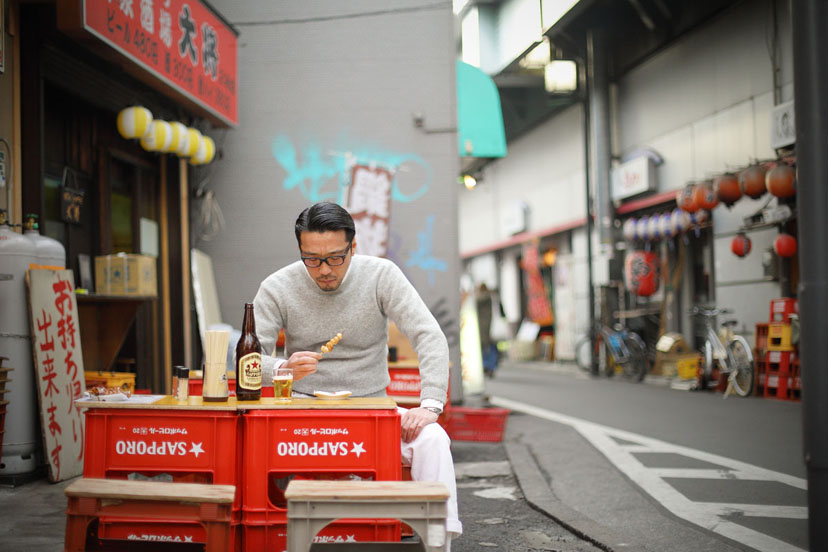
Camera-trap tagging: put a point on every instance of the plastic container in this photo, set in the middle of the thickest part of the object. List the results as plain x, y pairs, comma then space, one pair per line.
325, 443
191, 446
273, 537
181, 380
477, 424
782, 308
110, 379
404, 382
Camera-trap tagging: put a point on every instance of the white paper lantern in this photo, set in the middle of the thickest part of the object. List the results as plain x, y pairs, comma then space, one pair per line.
653, 230
179, 135
642, 228
159, 136
206, 152
189, 147
134, 122
629, 229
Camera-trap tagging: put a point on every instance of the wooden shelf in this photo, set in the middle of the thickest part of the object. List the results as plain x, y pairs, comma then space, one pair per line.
104, 322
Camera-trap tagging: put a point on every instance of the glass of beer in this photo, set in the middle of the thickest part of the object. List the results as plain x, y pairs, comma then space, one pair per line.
282, 383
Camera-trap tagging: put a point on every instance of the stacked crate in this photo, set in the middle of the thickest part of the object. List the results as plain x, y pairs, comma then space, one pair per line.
4, 370
287, 444
781, 363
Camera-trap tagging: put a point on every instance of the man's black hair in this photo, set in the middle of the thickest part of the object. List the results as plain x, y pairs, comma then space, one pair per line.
324, 217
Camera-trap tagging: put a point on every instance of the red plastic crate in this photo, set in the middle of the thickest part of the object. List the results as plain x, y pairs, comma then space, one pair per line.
189, 446
782, 309
196, 386
477, 424
113, 528
317, 443
404, 382
273, 537
782, 374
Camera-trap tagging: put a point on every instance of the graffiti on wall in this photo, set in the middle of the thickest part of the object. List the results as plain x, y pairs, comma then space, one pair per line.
424, 257
321, 174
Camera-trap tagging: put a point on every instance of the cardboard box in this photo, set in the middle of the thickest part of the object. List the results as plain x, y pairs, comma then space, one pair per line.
124, 274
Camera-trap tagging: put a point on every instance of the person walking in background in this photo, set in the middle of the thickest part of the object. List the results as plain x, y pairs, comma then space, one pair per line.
484, 320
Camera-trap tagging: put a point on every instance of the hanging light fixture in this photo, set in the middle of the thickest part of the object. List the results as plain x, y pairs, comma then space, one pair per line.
178, 135
206, 152
134, 122
189, 147
159, 136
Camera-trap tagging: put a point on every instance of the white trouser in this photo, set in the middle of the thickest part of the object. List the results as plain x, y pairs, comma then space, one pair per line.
429, 456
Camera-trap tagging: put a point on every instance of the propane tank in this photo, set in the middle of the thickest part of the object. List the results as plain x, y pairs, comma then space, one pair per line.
20, 439
49, 251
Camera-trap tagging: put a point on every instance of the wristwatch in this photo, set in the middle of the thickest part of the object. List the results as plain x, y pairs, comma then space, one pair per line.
433, 409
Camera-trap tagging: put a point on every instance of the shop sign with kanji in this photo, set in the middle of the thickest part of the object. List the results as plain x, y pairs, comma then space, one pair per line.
58, 363
184, 44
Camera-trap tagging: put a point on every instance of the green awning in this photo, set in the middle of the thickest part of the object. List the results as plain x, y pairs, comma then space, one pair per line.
479, 118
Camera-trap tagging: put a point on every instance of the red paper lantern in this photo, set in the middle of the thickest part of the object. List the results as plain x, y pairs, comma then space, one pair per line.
641, 273
785, 245
704, 196
685, 199
752, 181
740, 246
780, 181
727, 188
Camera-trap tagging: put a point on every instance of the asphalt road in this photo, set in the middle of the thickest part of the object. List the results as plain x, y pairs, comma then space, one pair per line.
652, 468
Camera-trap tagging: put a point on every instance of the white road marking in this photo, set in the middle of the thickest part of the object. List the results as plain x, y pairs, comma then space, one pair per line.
507, 493
710, 516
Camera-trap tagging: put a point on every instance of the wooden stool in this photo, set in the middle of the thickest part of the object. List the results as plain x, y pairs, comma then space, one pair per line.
209, 505
314, 504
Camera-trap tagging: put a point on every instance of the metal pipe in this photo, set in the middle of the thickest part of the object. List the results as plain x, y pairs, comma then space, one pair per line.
599, 123
589, 221
811, 101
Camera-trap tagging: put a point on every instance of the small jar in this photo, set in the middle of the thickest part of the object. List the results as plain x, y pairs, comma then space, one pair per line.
181, 383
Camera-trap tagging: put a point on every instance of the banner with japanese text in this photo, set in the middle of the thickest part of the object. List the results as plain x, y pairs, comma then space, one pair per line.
538, 306
184, 43
369, 202
58, 363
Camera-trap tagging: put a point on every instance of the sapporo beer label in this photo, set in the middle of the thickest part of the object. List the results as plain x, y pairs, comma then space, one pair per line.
251, 371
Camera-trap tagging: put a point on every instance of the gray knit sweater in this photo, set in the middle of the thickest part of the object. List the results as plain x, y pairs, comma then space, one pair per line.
373, 291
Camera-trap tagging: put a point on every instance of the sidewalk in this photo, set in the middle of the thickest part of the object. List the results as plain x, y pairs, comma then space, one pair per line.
493, 507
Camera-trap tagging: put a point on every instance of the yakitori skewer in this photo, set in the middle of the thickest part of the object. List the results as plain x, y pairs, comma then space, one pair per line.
328, 347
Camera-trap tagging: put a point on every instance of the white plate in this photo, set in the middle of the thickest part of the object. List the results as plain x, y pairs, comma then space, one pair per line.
337, 395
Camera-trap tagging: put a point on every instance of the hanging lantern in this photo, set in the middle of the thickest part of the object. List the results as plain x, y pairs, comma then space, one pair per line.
629, 229
699, 217
642, 228
752, 181
159, 136
664, 226
652, 228
727, 189
189, 147
206, 152
780, 181
178, 136
704, 196
641, 273
679, 221
785, 245
686, 199
740, 246
134, 122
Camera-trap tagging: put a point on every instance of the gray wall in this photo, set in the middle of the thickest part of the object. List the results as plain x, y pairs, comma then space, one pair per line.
321, 83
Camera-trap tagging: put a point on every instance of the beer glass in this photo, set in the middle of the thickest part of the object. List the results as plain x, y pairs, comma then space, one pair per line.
283, 383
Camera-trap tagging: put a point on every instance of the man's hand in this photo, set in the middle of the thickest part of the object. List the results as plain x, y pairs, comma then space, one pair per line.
413, 422
303, 363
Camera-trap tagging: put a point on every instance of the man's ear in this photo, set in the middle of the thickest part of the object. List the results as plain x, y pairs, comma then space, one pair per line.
353, 246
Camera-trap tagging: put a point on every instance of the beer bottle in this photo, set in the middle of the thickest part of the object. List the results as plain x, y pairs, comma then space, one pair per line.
248, 359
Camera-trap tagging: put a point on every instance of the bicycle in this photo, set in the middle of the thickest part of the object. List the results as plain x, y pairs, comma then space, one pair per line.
614, 348
727, 350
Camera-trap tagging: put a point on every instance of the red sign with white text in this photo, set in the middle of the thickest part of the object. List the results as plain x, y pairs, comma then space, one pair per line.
181, 42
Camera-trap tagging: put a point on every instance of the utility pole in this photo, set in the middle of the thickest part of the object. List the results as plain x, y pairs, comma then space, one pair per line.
810, 42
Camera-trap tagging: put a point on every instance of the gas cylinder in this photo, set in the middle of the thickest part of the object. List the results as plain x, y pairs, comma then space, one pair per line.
20, 439
48, 251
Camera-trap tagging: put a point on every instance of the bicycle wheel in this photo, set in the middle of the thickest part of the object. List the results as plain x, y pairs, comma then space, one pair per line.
742, 366
637, 364
583, 354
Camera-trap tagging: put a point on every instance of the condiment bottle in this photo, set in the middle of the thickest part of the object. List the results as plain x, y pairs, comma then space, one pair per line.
181, 383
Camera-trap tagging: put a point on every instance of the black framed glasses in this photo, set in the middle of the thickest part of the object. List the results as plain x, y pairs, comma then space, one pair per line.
332, 260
